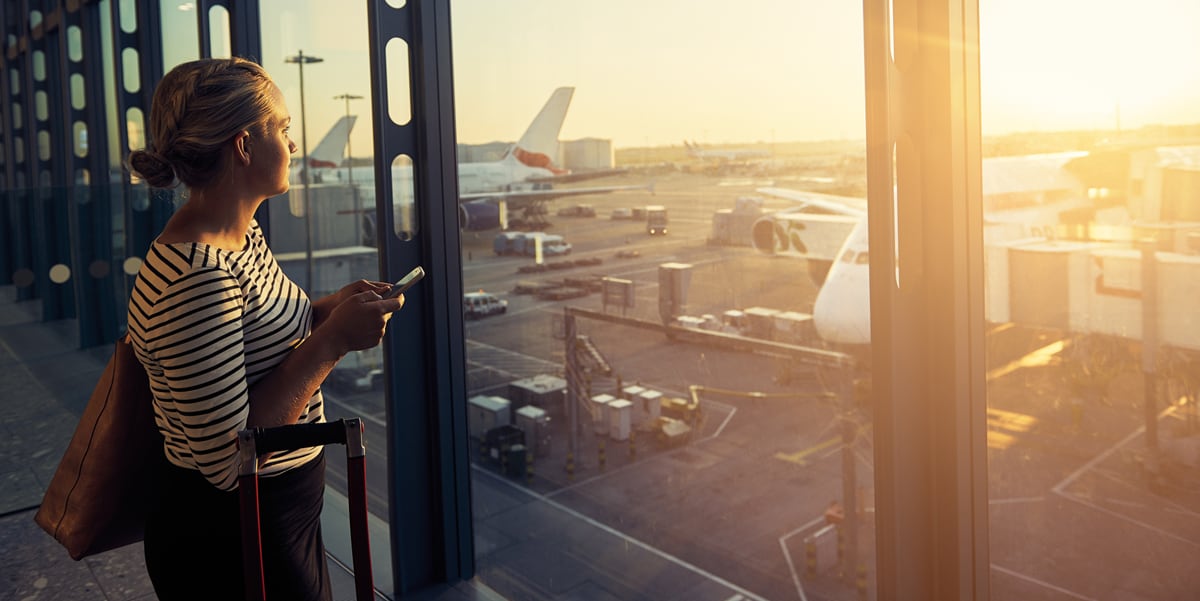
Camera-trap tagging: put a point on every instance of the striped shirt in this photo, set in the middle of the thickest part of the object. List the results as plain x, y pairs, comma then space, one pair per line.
208, 323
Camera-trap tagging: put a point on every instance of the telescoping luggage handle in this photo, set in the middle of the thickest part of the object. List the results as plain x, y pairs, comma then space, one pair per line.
255, 442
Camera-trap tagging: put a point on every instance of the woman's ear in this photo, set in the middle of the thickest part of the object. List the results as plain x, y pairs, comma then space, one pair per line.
241, 147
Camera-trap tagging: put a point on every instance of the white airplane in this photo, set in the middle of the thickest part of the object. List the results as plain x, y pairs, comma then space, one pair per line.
326, 158
1024, 197
523, 179
724, 154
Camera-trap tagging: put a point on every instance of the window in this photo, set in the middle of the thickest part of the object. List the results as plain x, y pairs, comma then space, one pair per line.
636, 444
1092, 358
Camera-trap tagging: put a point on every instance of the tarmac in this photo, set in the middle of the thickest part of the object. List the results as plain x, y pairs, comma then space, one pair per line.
47, 379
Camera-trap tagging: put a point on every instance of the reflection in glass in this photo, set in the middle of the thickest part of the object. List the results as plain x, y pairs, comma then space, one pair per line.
131, 69
74, 44
399, 95
404, 204
1090, 188
78, 100
660, 404
180, 32
218, 23
135, 127
79, 139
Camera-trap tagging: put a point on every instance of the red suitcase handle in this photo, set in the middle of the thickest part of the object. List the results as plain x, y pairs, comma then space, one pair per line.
255, 442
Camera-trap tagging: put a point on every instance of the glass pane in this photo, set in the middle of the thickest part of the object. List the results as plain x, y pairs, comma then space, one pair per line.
181, 35
663, 399
323, 230
218, 24
1089, 187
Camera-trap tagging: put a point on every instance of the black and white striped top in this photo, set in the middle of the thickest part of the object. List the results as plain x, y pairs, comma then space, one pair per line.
207, 323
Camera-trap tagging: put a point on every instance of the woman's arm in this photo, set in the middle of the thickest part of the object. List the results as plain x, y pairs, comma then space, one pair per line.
358, 323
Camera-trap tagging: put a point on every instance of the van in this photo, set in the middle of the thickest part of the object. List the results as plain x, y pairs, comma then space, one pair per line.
482, 304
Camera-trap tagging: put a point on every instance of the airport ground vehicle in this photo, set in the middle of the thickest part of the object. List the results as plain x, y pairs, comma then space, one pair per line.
577, 211
525, 243
656, 219
482, 304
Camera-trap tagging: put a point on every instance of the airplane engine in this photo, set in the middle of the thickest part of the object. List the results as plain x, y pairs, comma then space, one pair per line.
770, 236
773, 236
478, 216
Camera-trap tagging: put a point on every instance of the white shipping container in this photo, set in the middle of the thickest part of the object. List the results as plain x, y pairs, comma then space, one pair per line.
620, 419
649, 406
599, 408
534, 422
486, 412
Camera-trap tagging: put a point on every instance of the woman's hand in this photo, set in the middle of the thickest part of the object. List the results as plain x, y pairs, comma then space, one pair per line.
323, 307
360, 321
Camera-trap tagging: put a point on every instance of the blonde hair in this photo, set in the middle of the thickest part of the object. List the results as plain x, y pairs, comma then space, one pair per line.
198, 107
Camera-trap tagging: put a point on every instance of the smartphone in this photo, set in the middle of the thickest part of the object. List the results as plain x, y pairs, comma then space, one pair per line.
406, 282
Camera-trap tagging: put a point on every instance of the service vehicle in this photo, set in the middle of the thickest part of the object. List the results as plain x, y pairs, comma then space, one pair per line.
482, 304
656, 219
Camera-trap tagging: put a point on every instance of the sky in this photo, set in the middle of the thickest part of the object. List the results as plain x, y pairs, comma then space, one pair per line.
657, 72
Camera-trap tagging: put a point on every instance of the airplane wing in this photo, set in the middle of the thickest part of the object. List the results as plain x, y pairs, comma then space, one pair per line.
516, 198
813, 202
578, 176
814, 229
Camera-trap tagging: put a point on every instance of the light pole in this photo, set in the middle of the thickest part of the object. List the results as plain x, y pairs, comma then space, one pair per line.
301, 59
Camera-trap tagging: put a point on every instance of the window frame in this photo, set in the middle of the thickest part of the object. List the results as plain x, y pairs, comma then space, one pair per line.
924, 142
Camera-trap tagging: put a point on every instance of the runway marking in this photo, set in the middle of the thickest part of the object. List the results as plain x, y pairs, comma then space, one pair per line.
787, 555
1060, 488
355, 411
510, 353
1030, 579
617, 533
1037, 358
799, 457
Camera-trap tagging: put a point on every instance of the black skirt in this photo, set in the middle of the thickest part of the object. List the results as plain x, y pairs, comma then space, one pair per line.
193, 537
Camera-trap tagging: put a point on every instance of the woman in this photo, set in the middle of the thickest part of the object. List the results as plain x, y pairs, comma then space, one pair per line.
230, 342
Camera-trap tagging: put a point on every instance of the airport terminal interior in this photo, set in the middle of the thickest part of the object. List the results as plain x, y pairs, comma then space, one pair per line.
653, 356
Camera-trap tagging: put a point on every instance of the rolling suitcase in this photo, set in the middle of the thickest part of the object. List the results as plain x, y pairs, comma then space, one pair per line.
255, 442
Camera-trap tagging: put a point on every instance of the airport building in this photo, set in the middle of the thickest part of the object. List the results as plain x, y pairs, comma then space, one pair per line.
997, 402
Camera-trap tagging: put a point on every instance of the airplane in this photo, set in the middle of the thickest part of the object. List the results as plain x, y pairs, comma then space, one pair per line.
522, 180
724, 154
327, 156
1028, 197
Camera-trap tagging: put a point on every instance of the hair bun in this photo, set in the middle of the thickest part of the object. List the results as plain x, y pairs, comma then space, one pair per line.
154, 168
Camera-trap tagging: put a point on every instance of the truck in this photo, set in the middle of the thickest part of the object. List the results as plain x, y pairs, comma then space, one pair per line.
525, 244
656, 219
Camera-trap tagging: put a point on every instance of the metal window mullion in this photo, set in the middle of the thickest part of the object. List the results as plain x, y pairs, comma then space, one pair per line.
36, 200
427, 444
7, 260
91, 219
926, 298
20, 211
140, 226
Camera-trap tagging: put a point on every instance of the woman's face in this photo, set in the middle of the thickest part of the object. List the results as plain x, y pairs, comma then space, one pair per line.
271, 148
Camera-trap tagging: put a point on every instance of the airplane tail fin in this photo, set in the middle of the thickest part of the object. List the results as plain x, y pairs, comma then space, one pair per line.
539, 144
332, 147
